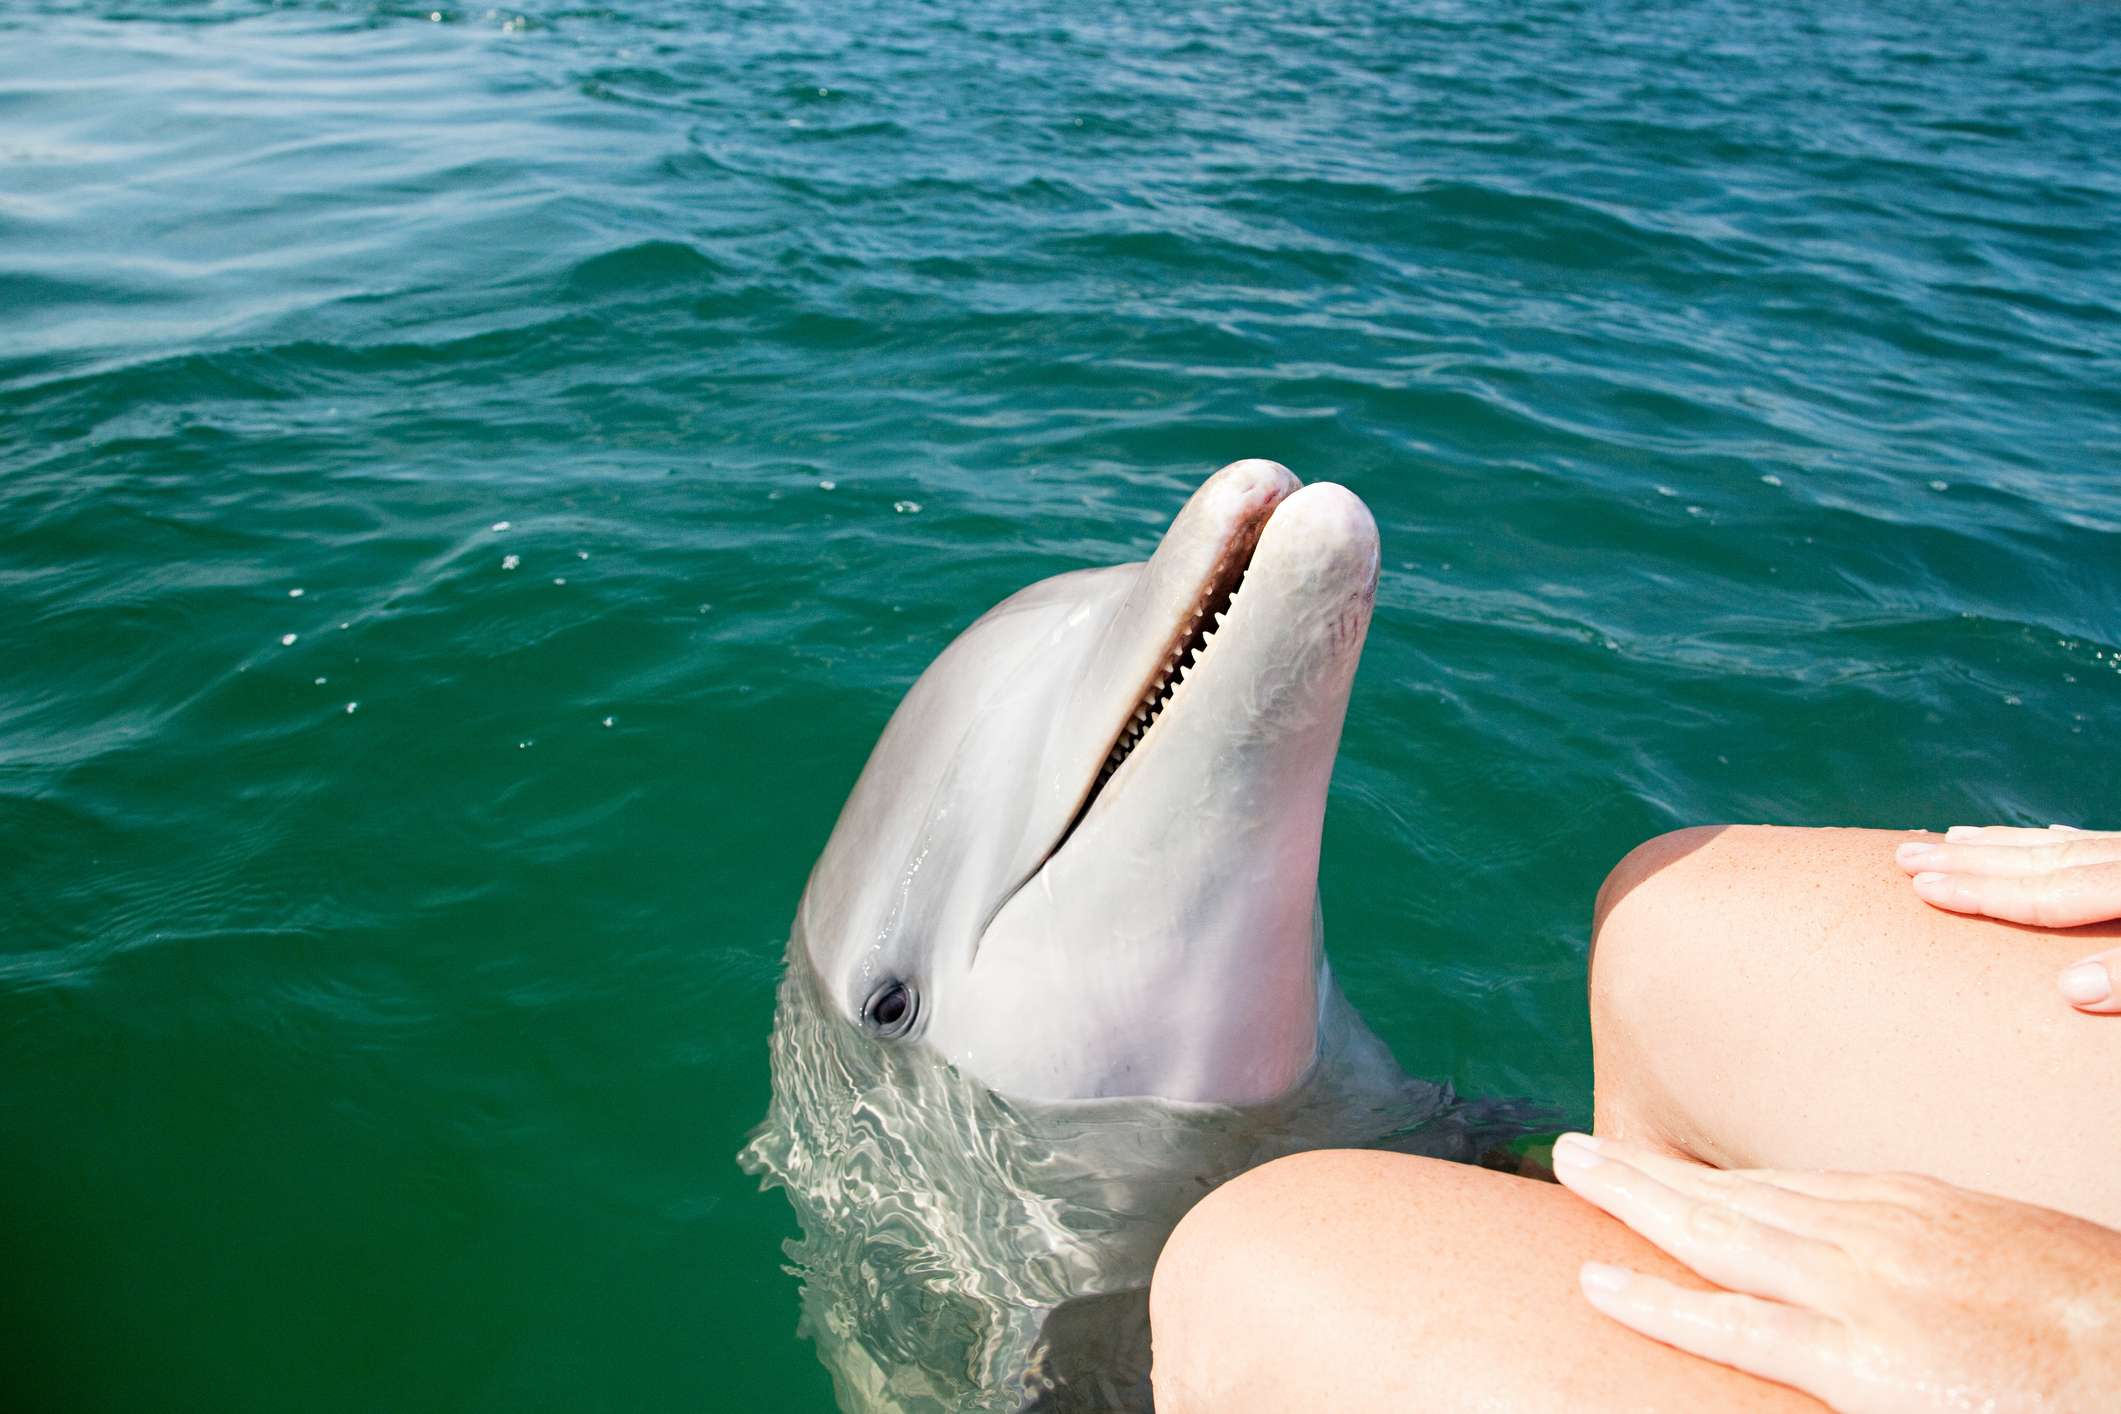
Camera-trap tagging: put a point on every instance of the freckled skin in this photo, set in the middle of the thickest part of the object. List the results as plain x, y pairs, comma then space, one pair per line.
1781, 998
1759, 998
1360, 1282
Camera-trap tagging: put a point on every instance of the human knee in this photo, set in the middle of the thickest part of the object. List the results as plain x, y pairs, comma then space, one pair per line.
1257, 1284
1643, 868
1208, 1332
1245, 1227
1653, 976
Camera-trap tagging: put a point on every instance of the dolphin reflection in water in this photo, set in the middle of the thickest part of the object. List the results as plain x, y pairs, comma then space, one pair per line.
1058, 972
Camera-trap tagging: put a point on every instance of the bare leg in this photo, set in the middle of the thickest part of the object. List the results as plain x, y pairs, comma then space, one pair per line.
1759, 997
1362, 1281
1781, 998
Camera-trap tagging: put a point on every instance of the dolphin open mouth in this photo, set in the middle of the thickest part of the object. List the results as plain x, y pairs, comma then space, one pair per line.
1188, 643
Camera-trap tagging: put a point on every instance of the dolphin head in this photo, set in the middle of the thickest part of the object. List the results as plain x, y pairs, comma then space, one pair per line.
1082, 860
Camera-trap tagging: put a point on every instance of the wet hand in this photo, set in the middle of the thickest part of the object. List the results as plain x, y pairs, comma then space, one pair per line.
1874, 1293
2054, 878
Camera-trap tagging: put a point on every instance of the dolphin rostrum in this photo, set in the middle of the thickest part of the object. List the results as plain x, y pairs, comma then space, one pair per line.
1058, 971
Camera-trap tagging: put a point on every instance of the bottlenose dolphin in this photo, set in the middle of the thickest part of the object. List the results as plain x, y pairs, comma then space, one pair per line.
1058, 971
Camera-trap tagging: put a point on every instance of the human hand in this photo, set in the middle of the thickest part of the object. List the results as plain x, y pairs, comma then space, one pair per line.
1873, 1293
2058, 877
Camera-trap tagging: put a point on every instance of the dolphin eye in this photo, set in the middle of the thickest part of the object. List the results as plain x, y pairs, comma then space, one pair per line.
889, 1010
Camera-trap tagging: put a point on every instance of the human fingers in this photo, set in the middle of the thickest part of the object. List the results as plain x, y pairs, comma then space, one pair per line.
2064, 898
2015, 834
2045, 855
2089, 985
1783, 1343
1802, 1202
1710, 1234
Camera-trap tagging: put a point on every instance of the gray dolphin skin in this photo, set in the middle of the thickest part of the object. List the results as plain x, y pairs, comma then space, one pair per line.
1059, 972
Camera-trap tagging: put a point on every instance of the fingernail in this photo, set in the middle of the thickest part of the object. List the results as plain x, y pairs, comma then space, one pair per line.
1931, 876
2084, 984
1597, 1276
1914, 850
1963, 832
1578, 1151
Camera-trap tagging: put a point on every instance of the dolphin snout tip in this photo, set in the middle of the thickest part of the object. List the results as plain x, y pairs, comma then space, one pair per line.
1252, 483
1326, 521
1258, 469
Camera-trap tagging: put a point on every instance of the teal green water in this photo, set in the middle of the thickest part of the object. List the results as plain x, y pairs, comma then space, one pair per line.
1737, 387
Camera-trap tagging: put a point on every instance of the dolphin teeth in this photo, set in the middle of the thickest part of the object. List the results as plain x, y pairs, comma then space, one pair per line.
1208, 613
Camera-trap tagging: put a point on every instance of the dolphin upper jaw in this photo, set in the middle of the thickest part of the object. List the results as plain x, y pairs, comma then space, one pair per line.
1084, 911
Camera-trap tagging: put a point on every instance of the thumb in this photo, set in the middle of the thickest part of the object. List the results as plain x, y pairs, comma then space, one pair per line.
2089, 985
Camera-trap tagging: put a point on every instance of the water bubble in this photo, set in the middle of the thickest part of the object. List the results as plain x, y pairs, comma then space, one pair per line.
1666, 491
286, 639
559, 581
609, 720
1772, 480
906, 508
705, 607
320, 682
509, 562
581, 554
351, 705
294, 593
500, 525
436, 16
826, 485
1940, 486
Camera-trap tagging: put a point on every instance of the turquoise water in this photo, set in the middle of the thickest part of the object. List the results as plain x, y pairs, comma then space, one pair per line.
1736, 387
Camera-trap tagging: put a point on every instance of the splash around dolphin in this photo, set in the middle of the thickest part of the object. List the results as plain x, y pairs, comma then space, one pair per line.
1059, 971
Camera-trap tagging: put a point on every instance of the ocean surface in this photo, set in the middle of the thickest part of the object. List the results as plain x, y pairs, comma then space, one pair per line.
473, 484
